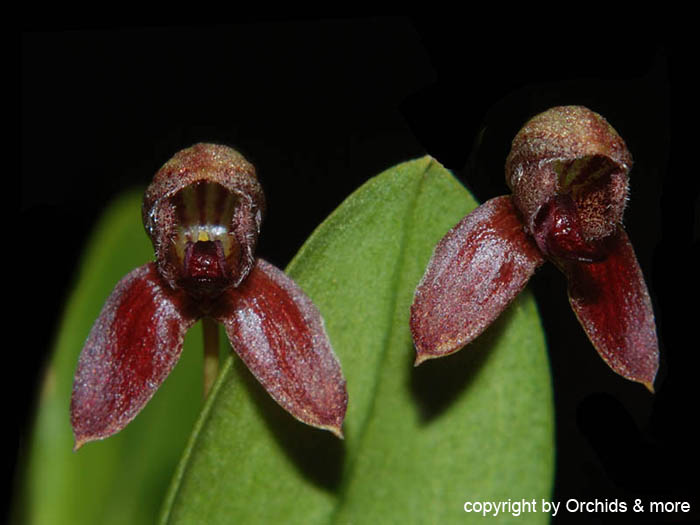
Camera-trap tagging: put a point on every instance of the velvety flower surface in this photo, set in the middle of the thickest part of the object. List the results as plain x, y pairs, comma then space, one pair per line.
568, 171
203, 212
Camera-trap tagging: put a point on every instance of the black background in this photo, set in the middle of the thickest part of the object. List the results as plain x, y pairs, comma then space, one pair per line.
320, 106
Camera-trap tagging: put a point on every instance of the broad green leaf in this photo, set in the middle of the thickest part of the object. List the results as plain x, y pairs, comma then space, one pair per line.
124, 478
419, 442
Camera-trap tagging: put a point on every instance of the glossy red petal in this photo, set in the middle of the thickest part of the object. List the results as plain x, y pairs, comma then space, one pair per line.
612, 303
131, 349
278, 332
558, 232
477, 269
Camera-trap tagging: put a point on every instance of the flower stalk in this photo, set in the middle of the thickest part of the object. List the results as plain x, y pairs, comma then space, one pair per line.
210, 336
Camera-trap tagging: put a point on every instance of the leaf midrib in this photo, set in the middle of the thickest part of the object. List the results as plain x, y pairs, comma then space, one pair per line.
398, 273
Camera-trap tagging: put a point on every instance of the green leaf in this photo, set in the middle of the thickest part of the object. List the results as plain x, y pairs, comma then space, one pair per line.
122, 479
419, 442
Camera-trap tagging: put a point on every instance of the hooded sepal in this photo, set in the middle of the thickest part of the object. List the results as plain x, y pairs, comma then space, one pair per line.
476, 270
132, 347
573, 151
279, 334
611, 301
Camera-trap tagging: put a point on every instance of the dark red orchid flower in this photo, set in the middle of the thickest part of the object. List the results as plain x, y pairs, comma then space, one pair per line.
203, 212
568, 171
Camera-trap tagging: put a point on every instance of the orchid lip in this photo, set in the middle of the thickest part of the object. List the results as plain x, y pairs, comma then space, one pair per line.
558, 232
204, 259
204, 269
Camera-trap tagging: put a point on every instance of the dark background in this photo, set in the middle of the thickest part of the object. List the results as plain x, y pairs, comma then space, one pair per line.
320, 106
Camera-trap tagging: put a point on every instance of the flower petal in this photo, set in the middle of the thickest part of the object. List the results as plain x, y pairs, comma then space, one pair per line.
477, 269
612, 303
278, 332
131, 349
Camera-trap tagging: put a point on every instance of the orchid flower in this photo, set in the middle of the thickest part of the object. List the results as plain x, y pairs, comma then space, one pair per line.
203, 212
568, 173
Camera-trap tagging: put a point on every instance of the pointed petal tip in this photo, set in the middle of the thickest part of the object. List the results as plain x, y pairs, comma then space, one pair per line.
336, 430
79, 442
650, 386
422, 358
443, 350
81, 439
334, 423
